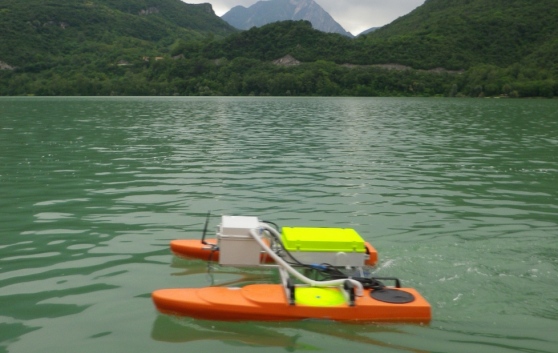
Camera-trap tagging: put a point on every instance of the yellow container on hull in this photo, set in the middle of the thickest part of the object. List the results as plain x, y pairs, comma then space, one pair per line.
303, 239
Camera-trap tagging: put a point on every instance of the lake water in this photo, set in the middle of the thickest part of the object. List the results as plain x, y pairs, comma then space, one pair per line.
459, 197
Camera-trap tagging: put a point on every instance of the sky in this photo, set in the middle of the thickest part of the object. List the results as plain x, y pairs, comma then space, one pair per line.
354, 15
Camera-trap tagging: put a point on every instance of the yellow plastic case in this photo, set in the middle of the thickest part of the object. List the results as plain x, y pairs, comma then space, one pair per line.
322, 239
333, 246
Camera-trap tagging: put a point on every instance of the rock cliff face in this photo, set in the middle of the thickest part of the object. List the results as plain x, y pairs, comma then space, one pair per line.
264, 12
148, 11
287, 60
5, 66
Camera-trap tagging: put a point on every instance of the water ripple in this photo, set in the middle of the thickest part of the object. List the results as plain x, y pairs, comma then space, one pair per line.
458, 196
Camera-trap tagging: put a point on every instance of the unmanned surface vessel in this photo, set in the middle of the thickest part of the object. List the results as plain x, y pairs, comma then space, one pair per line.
321, 272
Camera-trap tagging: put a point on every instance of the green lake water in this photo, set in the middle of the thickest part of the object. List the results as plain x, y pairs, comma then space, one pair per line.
459, 197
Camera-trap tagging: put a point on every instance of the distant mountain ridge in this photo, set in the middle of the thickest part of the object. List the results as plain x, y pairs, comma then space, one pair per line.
369, 30
265, 12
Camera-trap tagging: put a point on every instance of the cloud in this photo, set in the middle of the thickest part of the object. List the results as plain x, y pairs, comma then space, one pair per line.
354, 15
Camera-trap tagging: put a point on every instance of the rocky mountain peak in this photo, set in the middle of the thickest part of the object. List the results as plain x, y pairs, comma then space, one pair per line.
264, 12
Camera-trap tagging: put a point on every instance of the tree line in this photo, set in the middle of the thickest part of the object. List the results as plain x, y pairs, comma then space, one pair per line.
243, 76
92, 59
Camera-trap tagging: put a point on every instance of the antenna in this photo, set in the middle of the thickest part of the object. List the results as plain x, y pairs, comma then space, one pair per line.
205, 228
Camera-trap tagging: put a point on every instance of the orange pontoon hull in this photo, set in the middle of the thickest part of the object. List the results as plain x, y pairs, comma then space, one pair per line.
267, 302
193, 248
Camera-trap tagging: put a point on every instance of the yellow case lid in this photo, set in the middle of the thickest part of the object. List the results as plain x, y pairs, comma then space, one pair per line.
322, 239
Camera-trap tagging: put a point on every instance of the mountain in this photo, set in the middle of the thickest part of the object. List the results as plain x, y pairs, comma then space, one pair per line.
165, 47
458, 34
278, 39
369, 30
264, 12
449, 34
41, 31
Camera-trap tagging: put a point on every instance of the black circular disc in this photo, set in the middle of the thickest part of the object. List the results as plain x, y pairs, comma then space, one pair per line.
394, 296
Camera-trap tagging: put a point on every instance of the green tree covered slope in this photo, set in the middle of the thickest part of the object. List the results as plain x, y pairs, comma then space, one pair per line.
457, 34
39, 31
166, 47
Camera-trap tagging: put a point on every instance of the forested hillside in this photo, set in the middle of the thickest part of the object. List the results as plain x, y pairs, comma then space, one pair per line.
471, 48
38, 32
457, 34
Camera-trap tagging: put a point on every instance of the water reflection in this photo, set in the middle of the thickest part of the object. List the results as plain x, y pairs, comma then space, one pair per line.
290, 336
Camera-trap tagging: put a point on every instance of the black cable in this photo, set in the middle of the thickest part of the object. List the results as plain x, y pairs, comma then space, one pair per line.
273, 224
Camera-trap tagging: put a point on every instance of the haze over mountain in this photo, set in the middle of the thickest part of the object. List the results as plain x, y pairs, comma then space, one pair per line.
265, 12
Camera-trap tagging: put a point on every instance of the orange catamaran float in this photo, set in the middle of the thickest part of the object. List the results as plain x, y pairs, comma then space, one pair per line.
321, 271
194, 248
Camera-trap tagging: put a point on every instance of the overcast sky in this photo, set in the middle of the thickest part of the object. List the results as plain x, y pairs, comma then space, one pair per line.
354, 15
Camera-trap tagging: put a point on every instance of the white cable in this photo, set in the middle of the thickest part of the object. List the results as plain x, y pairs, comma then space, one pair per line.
279, 261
